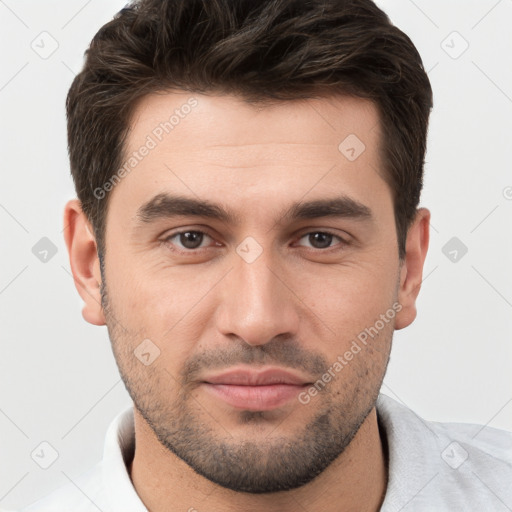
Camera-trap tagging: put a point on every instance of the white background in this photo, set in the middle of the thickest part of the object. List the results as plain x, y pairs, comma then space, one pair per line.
59, 381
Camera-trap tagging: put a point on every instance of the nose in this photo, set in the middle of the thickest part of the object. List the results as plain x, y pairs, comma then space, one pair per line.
257, 304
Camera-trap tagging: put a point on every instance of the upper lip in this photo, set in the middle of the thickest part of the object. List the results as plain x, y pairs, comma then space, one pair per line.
252, 377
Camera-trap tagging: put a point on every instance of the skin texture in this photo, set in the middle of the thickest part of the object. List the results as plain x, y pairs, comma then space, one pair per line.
299, 305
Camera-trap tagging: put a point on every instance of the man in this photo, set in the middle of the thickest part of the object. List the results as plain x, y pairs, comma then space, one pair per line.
247, 226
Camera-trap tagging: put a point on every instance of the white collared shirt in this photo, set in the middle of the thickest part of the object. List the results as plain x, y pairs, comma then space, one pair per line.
433, 467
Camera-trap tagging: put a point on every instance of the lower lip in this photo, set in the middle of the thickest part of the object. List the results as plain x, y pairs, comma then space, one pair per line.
255, 398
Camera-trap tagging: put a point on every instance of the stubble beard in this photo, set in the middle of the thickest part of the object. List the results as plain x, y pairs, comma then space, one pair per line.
279, 462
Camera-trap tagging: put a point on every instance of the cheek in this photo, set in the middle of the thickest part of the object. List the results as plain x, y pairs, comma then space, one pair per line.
349, 299
151, 295
170, 307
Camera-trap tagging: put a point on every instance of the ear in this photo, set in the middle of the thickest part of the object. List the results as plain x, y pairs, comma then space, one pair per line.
411, 272
85, 264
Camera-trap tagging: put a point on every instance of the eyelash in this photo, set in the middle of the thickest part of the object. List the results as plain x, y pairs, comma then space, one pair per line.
342, 242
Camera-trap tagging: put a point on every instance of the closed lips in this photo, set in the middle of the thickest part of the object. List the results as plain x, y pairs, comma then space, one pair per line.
248, 390
252, 378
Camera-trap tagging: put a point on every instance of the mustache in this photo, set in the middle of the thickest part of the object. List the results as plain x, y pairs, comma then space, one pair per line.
284, 353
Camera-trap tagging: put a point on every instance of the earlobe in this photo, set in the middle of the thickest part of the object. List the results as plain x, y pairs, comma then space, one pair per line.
411, 273
84, 261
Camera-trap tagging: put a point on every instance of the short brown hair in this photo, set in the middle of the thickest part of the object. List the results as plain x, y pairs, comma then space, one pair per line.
261, 50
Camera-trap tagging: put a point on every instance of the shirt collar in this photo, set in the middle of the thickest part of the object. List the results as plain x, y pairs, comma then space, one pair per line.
117, 455
408, 438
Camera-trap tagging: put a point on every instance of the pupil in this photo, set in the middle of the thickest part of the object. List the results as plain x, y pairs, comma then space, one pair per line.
191, 239
320, 240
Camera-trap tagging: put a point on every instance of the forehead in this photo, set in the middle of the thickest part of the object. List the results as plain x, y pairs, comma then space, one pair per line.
222, 147
226, 120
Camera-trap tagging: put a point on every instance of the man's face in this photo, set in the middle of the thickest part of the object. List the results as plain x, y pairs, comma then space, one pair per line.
249, 310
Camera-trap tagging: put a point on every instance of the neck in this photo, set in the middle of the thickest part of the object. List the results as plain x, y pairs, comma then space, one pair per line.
355, 481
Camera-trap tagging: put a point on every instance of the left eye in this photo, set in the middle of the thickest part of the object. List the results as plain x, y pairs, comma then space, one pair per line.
188, 239
320, 239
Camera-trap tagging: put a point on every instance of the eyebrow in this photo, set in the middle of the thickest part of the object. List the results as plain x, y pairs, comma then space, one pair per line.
164, 206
